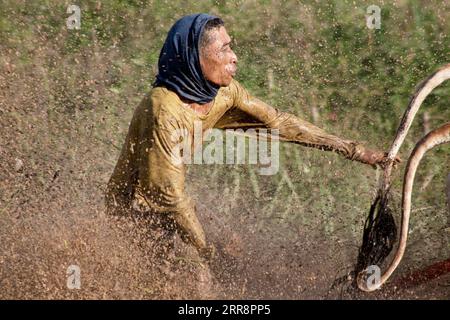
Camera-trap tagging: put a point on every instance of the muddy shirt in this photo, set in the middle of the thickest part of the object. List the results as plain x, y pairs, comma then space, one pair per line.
146, 175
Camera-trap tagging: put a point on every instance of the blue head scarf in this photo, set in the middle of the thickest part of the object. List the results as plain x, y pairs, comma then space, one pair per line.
179, 62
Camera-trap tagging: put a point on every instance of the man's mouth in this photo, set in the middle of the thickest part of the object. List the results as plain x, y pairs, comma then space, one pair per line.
231, 70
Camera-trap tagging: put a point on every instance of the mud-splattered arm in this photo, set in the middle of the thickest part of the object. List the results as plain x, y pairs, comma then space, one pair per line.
250, 112
162, 188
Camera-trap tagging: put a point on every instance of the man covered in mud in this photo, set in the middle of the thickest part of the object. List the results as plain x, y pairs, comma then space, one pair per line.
195, 84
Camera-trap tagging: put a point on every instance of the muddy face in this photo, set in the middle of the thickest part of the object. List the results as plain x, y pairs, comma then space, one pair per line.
217, 59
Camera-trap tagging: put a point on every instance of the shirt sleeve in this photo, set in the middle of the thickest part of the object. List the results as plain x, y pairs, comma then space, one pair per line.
250, 112
163, 177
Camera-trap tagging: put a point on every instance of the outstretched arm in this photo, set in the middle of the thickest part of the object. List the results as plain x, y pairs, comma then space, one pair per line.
250, 112
163, 186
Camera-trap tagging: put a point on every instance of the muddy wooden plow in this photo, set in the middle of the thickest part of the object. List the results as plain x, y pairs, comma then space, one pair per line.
380, 231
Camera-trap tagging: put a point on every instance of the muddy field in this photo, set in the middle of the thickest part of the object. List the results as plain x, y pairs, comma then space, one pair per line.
64, 114
53, 217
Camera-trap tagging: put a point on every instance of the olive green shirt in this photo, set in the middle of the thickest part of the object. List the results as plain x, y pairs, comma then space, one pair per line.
145, 174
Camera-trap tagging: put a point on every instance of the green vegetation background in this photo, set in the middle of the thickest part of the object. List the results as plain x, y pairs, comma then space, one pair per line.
75, 92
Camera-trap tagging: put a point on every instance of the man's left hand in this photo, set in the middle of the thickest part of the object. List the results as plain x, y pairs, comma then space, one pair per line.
375, 157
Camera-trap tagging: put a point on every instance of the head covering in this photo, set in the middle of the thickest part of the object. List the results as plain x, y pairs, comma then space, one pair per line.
179, 62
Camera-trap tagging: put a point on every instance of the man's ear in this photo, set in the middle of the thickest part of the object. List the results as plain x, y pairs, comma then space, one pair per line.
202, 57
202, 61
